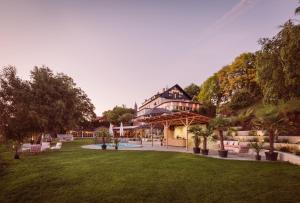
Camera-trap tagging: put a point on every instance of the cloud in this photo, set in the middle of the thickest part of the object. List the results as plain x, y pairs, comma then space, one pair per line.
230, 16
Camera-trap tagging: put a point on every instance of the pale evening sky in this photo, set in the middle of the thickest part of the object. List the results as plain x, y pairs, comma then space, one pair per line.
122, 51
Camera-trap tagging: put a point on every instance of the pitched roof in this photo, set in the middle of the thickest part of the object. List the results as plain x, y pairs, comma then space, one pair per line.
167, 90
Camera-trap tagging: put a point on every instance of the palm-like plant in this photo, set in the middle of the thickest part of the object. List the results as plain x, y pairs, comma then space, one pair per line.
103, 133
272, 121
196, 130
205, 133
221, 124
257, 146
116, 142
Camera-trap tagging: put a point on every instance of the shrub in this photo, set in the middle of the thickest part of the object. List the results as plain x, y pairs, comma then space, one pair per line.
241, 99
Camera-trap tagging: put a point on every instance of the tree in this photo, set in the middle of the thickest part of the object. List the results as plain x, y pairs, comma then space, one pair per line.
238, 76
202, 132
270, 119
221, 124
210, 91
192, 90
17, 120
196, 131
58, 103
278, 66
290, 57
207, 109
241, 99
119, 114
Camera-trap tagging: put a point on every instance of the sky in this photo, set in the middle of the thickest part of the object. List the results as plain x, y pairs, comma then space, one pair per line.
124, 51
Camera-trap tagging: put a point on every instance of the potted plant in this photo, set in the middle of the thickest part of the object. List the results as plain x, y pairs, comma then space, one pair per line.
221, 124
103, 133
272, 121
257, 146
205, 133
116, 142
196, 130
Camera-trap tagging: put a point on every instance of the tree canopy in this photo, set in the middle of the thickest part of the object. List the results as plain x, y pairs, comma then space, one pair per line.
278, 65
269, 76
47, 103
192, 90
119, 114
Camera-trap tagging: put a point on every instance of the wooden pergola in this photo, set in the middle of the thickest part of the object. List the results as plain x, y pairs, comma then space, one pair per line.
184, 118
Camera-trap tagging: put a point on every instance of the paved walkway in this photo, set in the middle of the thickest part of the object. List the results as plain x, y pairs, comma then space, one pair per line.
149, 147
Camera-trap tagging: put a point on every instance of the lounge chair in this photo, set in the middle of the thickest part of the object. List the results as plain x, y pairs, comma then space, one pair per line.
57, 146
25, 147
45, 145
35, 148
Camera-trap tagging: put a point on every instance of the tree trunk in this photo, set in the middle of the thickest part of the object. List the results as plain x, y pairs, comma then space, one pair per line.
204, 143
271, 140
221, 140
17, 156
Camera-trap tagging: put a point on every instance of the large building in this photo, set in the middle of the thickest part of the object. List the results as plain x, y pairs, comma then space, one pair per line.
168, 100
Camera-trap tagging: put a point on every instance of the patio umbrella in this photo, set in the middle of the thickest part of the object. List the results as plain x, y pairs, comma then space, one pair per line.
121, 130
111, 131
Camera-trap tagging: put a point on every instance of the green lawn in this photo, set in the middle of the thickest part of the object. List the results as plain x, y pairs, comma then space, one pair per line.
80, 175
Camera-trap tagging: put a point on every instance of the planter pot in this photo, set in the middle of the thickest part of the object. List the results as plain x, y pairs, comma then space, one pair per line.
196, 150
223, 153
204, 151
104, 147
271, 156
257, 157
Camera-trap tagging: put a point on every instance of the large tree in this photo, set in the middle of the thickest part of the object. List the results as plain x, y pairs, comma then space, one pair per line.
60, 105
240, 75
278, 66
210, 91
17, 118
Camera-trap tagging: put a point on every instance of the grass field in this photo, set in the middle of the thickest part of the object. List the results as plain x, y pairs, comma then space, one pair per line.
81, 175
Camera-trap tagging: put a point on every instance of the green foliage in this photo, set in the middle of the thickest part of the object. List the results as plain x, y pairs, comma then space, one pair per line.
102, 132
243, 118
58, 103
210, 91
197, 131
270, 119
17, 118
119, 114
192, 90
257, 146
271, 74
221, 123
278, 65
291, 106
116, 141
241, 99
207, 109
47, 103
239, 76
